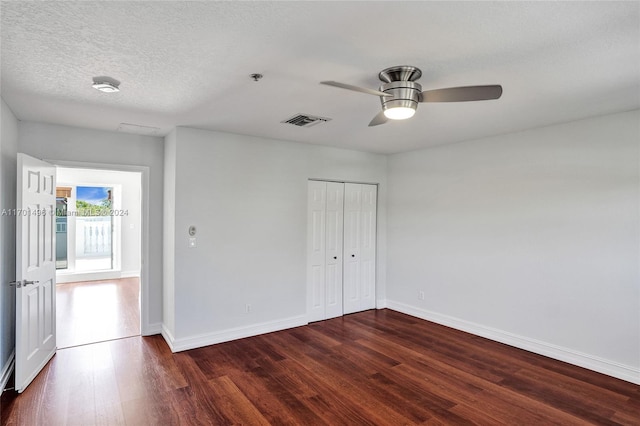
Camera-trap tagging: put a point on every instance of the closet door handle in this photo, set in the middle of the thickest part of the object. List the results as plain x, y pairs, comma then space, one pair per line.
335, 257
353, 255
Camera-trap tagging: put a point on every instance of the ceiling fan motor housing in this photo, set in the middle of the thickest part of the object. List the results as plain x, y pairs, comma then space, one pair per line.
400, 73
399, 81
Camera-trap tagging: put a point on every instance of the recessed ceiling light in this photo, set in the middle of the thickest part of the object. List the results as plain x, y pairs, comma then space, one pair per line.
106, 84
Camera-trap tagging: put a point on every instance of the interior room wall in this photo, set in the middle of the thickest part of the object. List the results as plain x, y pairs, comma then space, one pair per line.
529, 238
73, 144
247, 198
8, 159
169, 234
128, 183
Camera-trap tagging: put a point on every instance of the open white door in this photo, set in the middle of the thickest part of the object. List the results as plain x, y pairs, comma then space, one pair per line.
35, 268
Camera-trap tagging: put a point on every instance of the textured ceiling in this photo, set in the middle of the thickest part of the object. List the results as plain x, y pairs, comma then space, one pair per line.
188, 64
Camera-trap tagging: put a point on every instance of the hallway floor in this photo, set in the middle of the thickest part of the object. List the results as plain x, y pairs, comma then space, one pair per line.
95, 311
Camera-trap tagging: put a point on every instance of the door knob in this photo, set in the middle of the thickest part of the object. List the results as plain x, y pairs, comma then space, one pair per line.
24, 283
335, 257
353, 255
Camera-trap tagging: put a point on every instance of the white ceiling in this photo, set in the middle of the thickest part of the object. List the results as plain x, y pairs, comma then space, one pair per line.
188, 64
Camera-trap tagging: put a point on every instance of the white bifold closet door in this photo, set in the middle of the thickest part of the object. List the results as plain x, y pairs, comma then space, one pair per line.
341, 248
359, 247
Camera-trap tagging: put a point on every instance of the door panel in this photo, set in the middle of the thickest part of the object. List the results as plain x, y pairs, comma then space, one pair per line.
49, 297
325, 241
352, 204
35, 268
368, 247
333, 278
360, 247
32, 304
316, 248
32, 262
333, 259
317, 273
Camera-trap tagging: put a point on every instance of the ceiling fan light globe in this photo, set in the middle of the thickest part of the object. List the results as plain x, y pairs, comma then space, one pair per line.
399, 113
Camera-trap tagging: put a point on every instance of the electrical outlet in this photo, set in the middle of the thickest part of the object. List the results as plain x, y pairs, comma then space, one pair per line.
421, 295
247, 308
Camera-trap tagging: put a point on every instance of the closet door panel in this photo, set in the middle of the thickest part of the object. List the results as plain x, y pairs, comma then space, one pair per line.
334, 245
360, 247
352, 237
368, 247
316, 250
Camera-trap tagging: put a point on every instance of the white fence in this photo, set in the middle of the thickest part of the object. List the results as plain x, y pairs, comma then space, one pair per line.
93, 236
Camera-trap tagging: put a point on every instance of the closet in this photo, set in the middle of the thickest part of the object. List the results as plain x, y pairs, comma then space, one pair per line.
341, 248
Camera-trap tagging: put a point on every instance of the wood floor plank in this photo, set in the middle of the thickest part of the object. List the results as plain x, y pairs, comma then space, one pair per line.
234, 403
370, 368
583, 392
269, 404
565, 401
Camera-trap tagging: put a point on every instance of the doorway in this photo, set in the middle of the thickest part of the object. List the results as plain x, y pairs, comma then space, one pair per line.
35, 282
99, 254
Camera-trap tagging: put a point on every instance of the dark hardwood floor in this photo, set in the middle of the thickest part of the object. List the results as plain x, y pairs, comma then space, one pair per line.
374, 368
95, 311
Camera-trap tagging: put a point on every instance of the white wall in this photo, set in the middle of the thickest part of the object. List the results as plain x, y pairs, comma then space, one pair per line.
247, 197
529, 238
8, 158
126, 198
64, 143
169, 216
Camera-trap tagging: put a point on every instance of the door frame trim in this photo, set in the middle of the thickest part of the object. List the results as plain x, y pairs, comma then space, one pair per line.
356, 182
146, 328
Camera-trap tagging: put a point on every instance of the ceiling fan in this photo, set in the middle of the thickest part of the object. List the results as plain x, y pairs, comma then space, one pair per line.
400, 94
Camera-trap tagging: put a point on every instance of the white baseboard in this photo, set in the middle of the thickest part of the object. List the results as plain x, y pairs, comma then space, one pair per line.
6, 371
151, 329
192, 342
381, 304
168, 337
64, 278
74, 277
604, 366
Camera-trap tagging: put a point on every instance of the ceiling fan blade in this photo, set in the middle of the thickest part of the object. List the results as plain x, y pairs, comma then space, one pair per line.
355, 88
380, 118
462, 94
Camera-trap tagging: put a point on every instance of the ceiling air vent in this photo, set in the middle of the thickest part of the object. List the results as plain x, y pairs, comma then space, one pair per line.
305, 120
